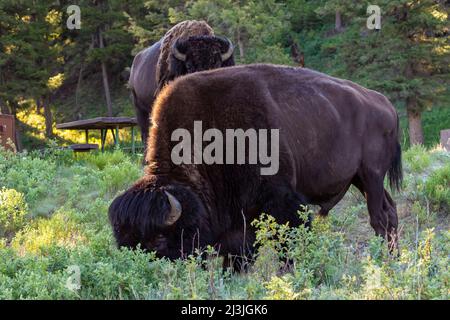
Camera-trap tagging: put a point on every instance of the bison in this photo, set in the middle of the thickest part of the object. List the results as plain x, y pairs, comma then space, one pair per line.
188, 47
333, 134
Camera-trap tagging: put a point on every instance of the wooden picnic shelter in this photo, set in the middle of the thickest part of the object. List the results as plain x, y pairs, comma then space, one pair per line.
104, 124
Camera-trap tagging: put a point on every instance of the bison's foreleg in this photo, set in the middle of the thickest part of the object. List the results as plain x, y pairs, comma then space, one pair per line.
283, 203
237, 248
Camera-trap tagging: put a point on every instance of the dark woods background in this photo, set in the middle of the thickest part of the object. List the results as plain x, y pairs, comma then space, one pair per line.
64, 75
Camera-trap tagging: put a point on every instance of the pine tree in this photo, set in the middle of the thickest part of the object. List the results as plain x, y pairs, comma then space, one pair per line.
408, 59
260, 29
102, 44
30, 62
151, 20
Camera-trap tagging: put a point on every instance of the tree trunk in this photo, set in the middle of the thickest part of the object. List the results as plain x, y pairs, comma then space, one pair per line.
297, 55
241, 47
4, 107
105, 79
338, 21
48, 118
77, 90
38, 106
415, 122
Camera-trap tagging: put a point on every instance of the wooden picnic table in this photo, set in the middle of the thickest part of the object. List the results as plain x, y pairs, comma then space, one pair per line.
104, 124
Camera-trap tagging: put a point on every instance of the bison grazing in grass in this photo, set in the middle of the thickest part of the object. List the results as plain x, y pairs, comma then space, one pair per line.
188, 47
333, 134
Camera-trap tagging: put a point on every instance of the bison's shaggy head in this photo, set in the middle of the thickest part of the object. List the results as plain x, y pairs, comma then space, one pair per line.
201, 53
198, 53
170, 220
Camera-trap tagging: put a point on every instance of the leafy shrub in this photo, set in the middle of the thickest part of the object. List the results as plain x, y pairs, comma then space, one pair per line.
417, 158
29, 175
104, 159
280, 288
59, 230
116, 177
13, 211
425, 216
437, 186
317, 253
271, 240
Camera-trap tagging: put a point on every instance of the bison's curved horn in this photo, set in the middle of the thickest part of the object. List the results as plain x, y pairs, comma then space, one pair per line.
176, 52
175, 209
227, 55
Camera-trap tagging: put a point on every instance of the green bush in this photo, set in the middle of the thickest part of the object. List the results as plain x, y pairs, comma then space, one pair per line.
59, 230
27, 174
13, 211
423, 214
116, 177
417, 158
104, 159
437, 187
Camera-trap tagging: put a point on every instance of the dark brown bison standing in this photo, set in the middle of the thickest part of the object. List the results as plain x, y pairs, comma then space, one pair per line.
333, 134
188, 47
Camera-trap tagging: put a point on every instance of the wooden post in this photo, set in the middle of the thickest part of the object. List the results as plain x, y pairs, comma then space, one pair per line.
114, 135
117, 136
103, 138
445, 139
86, 132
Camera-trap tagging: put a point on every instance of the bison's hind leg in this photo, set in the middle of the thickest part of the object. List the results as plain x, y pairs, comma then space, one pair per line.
390, 209
381, 207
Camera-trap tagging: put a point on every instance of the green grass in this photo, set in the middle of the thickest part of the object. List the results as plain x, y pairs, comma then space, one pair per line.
59, 204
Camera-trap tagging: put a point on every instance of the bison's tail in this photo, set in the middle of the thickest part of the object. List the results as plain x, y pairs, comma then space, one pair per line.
395, 173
